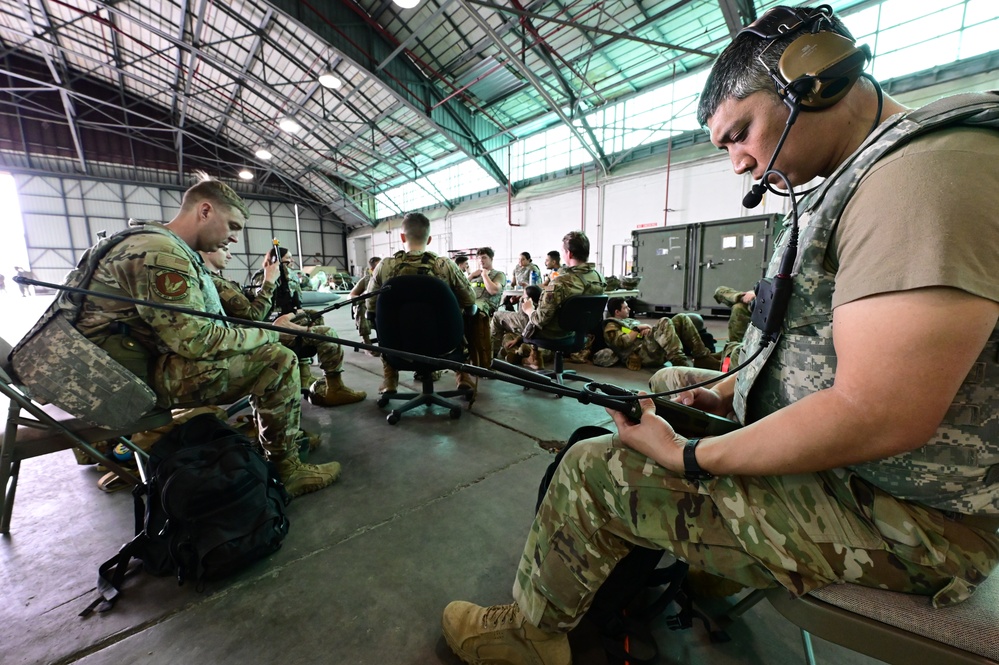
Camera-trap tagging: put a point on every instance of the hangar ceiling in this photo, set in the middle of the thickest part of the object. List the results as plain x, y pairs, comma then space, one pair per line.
147, 91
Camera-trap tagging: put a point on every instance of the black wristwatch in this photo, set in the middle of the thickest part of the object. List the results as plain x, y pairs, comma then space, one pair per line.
691, 469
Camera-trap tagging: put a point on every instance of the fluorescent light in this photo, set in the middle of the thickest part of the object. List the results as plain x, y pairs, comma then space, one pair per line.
406, 4
289, 125
330, 80
246, 174
263, 153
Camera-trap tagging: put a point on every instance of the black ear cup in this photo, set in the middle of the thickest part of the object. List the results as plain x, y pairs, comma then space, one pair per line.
821, 68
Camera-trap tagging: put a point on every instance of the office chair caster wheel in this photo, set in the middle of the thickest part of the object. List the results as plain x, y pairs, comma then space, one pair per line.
455, 414
392, 418
382, 401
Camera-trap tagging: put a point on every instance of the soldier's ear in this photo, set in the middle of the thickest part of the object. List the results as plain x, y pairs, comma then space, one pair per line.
429, 238
403, 236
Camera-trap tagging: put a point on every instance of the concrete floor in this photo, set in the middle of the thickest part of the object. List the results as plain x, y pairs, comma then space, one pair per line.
427, 511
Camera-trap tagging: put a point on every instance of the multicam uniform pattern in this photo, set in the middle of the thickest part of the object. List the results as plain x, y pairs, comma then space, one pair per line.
665, 343
423, 263
488, 304
236, 304
578, 280
801, 531
361, 308
194, 361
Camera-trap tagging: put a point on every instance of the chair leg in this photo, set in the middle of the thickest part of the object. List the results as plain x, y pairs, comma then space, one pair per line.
8, 476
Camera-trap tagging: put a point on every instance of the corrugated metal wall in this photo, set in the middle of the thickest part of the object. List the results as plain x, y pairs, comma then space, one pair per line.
63, 215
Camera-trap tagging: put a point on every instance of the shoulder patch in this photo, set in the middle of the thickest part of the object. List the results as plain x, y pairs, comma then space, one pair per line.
170, 285
169, 261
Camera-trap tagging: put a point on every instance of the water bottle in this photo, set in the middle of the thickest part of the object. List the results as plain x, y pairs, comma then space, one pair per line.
533, 279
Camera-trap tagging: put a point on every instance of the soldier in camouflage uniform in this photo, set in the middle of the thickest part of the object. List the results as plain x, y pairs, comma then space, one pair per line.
328, 391
741, 303
361, 307
503, 322
579, 279
845, 474
416, 260
487, 285
641, 345
195, 361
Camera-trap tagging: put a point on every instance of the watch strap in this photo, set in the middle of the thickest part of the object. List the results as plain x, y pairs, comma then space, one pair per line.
691, 469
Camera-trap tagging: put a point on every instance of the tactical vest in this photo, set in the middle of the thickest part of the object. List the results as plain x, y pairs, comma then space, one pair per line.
411, 264
56, 363
958, 469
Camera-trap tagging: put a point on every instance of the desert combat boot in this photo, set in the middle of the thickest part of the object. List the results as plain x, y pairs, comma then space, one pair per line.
299, 478
499, 635
390, 378
330, 391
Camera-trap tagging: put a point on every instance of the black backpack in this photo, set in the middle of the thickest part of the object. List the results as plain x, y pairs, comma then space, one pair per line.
619, 609
209, 505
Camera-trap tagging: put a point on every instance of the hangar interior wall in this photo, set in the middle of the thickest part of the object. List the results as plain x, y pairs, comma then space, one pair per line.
62, 217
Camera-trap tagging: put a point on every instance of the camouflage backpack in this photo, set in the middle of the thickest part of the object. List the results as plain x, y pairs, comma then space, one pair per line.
56, 364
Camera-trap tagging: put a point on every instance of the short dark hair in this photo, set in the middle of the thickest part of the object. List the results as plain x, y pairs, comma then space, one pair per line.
282, 252
555, 255
738, 72
487, 251
373, 261
416, 226
614, 304
577, 244
533, 292
461, 258
526, 255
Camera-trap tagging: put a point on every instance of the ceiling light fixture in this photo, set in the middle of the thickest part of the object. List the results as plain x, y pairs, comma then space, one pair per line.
289, 125
264, 154
406, 4
246, 174
330, 80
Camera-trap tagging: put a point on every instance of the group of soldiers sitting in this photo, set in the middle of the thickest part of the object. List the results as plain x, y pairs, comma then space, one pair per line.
188, 360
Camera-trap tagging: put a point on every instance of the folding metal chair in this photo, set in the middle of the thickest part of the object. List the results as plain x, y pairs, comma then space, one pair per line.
33, 430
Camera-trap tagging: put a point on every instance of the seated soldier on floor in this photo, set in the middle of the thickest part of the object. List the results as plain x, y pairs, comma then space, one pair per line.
507, 328
579, 279
741, 303
327, 391
416, 260
642, 345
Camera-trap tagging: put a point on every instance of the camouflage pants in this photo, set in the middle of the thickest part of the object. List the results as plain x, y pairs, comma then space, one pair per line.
741, 315
268, 374
800, 531
693, 345
330, 353
662, 345
675, 378
506, 322
361, 320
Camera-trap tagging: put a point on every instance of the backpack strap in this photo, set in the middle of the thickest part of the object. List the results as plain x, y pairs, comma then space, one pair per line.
111, 575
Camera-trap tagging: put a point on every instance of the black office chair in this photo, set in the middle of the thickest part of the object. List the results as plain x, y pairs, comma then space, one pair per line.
581, 315
420, 314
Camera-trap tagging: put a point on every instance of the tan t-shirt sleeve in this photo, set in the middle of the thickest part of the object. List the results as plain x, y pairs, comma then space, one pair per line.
926, 215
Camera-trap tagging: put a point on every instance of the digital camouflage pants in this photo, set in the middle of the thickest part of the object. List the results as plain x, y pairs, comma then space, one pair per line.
800, 531
268, 374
